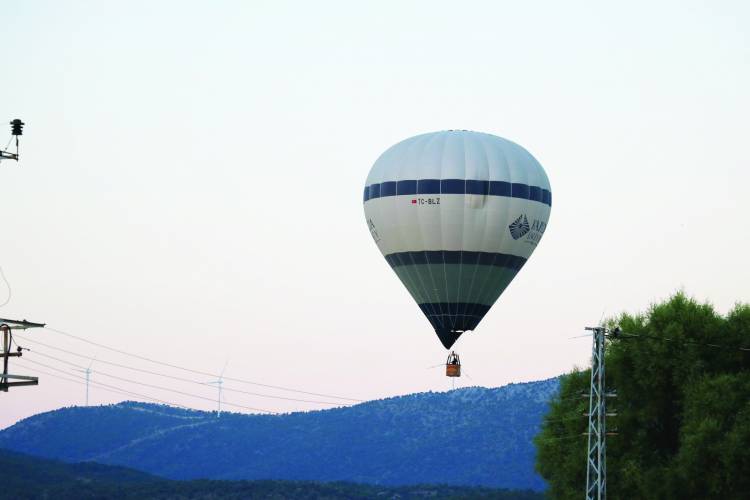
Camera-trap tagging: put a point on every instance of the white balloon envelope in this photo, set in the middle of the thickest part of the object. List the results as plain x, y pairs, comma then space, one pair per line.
456, 215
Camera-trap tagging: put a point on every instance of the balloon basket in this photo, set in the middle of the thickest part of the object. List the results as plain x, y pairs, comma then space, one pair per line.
453, 365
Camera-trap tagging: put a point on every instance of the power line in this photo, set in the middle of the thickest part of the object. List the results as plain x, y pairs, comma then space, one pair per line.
10, 290
563, 419
150, 372
559, 438
623, 335
198, 372
155, 387
102, 386
580, 397
140, 383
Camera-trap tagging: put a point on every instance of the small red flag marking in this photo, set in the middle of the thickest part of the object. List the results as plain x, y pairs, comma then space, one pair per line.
413, 202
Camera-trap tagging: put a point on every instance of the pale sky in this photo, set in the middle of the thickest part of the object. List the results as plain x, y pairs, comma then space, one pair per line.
190, 187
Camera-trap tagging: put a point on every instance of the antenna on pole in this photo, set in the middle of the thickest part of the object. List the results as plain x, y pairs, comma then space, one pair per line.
6, 327
16, 130
219, 382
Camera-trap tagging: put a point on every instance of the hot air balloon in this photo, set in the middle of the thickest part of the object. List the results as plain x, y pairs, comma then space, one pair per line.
456, 214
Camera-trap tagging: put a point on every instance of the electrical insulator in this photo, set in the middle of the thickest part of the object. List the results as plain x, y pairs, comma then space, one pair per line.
17, 127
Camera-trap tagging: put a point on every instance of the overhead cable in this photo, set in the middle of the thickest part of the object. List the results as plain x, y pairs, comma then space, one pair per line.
99, 385
150, 372
10, 290
678, 341
623, 335
159, 388
198, 372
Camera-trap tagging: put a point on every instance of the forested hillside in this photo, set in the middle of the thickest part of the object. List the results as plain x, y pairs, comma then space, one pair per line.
472, 436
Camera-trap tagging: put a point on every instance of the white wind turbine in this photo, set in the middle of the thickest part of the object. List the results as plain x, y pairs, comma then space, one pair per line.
88, 372
218, 383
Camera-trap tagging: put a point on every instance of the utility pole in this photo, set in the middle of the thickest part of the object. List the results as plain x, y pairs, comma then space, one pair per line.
8, 325
596, 458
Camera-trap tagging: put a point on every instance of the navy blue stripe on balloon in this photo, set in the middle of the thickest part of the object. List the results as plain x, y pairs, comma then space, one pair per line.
458, 186
453, 316
455, 309
455, 257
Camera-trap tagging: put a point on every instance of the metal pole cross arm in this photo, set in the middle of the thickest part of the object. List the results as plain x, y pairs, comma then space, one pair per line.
15, 324
22, 380
6, 327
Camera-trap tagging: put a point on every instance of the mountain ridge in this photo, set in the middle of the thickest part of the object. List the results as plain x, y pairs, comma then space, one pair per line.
471, 436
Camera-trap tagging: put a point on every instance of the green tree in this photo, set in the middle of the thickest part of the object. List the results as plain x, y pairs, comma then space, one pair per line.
683, 408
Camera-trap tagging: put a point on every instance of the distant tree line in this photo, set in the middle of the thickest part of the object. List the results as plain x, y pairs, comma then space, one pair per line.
28, 478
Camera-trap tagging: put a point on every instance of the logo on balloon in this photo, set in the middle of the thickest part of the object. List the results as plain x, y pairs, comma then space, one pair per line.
373, 231
519, 227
